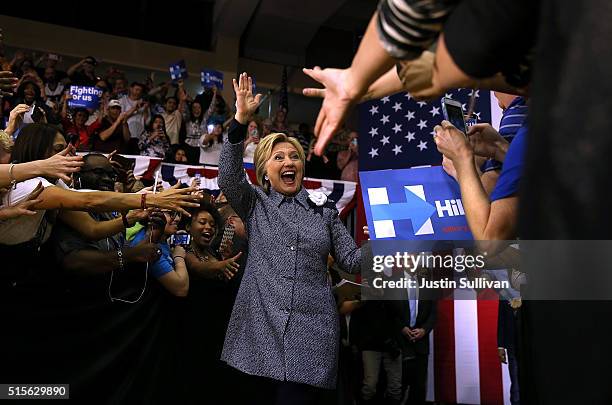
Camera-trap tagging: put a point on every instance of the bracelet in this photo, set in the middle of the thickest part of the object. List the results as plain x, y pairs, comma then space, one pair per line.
11, 177
143, 201
126, 223
120, 257
176, 257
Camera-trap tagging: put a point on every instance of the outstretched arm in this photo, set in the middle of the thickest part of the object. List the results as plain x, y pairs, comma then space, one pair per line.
232, 180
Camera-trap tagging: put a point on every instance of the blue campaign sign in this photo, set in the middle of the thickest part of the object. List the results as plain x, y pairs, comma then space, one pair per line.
212, 78
178, 70
84, 97
413, 204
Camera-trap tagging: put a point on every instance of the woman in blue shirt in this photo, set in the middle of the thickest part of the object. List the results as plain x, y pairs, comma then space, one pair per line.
170, 269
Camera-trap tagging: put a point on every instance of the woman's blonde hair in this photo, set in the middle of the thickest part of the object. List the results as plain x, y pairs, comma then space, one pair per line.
6, 143
264, 151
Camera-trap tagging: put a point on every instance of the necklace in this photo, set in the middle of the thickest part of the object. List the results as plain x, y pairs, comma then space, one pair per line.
198, 255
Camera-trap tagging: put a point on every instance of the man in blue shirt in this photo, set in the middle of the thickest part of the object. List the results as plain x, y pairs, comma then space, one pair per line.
488, 218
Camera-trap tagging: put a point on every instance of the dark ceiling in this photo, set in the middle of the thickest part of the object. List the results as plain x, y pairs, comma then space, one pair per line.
290, 32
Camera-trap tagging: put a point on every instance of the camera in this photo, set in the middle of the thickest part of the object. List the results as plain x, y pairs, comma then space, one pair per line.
181, 238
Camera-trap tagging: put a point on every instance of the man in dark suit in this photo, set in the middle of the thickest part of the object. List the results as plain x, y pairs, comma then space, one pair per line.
415, 315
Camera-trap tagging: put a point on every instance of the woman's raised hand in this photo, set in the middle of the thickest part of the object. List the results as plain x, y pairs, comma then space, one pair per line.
246, 102
176, 199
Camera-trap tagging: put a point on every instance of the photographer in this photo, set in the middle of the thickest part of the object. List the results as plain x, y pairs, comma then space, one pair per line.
154, 142
134, 101
169, 269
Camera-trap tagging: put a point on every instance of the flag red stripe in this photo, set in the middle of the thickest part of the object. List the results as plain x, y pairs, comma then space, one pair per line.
149, 174
491, 385
311, 184
444, 352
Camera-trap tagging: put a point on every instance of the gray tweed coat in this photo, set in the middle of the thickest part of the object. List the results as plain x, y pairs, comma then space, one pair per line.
284, 324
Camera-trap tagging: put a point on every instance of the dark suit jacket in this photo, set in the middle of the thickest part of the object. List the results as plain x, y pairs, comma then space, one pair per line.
506, 326
426, 317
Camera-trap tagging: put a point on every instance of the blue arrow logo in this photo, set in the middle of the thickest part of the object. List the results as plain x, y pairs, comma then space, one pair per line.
414, 209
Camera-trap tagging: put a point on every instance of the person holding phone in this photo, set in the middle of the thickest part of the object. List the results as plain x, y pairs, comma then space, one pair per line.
196, 125
155, 142
211, 143
250, 144
170, 268
283, 334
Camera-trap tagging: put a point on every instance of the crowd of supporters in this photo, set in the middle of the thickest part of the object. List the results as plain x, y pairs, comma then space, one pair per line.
143, 117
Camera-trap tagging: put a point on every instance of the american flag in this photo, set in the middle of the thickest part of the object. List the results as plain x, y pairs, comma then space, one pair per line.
396, 132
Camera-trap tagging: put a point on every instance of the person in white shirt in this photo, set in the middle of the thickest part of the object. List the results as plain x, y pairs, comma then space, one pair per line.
210, 147
140, 117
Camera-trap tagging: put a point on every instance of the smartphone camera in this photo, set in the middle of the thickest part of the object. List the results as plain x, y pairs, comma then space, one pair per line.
181, 238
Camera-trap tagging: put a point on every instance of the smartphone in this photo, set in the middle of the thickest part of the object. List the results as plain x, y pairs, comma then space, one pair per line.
73, 139
181, 238
198, 179
53, 56
37, 113
210, 128
453, 112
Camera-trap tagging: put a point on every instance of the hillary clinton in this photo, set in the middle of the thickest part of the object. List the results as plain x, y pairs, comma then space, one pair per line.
284, 325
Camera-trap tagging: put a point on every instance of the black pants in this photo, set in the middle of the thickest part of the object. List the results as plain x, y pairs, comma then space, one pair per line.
266, 391
414, 376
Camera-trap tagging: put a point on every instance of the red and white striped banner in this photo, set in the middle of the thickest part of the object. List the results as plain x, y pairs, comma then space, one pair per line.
464, 366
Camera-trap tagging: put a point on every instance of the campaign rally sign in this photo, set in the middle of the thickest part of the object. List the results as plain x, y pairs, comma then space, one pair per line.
414, 204
84, 97
212, 78
178, 71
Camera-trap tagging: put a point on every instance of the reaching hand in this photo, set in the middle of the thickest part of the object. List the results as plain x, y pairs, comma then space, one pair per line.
246, 103
8, 83
339, 98
61, 165
24, 207
176, 199
230, 267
